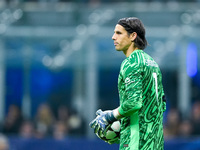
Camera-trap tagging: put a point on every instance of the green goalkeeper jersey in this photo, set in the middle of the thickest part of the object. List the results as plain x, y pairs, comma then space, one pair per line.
141, 103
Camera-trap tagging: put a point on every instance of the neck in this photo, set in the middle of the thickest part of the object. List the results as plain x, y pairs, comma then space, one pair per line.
130, 50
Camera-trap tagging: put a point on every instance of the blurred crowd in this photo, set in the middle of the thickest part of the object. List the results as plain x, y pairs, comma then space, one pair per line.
44, 124
4, 143
64, 123
176, 125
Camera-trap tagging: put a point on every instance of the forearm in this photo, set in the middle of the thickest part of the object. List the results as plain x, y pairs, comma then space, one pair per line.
124, 111
132, 103
116, 114
131, 96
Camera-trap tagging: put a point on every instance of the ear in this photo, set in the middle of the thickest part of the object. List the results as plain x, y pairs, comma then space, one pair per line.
133, 36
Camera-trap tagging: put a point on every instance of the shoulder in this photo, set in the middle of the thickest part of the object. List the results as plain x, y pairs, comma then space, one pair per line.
137, 56
136, 59
133, 63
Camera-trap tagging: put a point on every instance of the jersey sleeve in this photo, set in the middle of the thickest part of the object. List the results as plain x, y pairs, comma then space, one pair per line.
133, 88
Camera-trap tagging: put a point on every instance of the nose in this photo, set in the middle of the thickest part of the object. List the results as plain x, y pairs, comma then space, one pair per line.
113, 37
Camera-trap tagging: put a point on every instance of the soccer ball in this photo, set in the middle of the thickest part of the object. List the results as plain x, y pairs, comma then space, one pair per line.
112, 131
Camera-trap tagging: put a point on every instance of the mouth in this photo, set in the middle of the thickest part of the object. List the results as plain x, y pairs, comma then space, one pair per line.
115, 43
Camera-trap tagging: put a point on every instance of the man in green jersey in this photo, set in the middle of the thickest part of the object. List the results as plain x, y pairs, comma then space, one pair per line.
142, 101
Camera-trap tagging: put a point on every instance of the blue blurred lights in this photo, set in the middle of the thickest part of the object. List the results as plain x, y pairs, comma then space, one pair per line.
191, 60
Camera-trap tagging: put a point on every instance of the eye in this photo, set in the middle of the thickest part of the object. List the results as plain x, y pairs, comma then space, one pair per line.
118, 32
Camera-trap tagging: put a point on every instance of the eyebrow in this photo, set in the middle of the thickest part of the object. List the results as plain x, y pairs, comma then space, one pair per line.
118, 32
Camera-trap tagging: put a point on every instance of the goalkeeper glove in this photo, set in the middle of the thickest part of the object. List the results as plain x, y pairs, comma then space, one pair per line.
111, 141
101, 122
114, 141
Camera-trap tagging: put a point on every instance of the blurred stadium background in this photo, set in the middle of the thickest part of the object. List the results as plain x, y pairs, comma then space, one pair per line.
58, 65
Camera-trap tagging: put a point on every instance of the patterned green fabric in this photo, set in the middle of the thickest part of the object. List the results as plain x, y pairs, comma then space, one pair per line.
141, 91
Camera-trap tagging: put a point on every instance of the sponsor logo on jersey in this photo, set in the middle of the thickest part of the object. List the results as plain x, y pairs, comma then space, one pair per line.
151, 63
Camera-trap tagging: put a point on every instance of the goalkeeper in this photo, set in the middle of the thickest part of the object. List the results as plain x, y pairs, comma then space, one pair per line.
142, 101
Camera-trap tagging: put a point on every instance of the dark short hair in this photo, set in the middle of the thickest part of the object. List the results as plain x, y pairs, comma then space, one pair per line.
133, 24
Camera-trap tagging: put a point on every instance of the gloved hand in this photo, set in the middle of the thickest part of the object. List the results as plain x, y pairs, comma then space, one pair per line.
114, 141
101, 122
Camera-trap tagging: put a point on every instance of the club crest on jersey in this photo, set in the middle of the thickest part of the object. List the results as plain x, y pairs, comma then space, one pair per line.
128, 81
